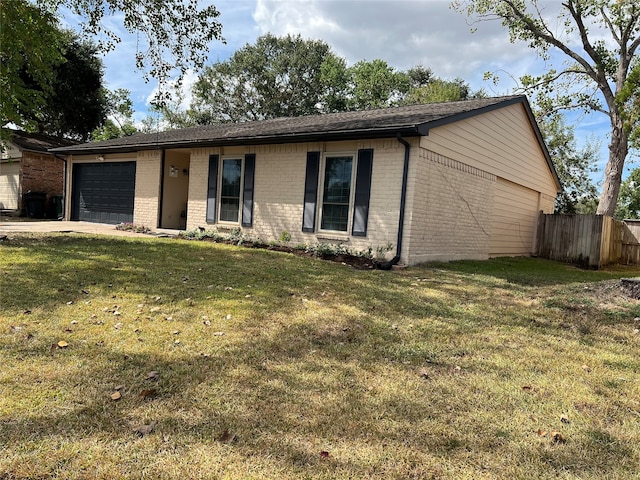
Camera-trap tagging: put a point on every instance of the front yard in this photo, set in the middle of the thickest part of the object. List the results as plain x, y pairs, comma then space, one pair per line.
167, 358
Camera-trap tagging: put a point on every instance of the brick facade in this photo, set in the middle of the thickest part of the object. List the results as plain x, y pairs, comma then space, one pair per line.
41, 173
146, 207
279, 192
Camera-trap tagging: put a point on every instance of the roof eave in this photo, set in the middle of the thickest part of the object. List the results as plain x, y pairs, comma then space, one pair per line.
386, 132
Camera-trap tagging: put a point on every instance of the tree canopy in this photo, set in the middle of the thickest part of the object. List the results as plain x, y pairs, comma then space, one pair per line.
573, 165
599, 40
173, 37
76, 103
292, 76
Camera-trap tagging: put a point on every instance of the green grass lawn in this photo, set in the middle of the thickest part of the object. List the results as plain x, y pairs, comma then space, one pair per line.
238, 363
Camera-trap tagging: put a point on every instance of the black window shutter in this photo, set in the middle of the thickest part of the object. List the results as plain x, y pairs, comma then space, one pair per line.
311, 192
247, 192
212, 189
363, 193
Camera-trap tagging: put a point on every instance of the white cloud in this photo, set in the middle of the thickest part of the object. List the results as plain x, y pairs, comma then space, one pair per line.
403, 33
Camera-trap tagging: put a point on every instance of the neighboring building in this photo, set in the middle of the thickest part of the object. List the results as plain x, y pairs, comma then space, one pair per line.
27, 166
456, 180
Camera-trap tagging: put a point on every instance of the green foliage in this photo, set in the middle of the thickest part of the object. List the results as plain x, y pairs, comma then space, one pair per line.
629, 199
76, 104
599, 40
275, 77
573, 166
173, 36
290, 76
375, 84
30, 49
120, 120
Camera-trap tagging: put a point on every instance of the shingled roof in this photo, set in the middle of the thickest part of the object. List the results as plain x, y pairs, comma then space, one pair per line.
38, 142
408, 121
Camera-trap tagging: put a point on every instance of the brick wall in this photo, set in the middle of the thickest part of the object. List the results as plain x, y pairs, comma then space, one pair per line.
41, 173
448, 210
279, 191
146, 205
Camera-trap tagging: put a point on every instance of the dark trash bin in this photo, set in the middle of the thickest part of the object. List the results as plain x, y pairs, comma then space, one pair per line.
56, 208
35, 203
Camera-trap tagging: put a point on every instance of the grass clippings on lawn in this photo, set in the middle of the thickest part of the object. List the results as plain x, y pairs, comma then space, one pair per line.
162, 358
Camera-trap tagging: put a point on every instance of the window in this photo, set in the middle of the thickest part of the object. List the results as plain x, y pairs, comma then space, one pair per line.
336, 195
344, 196
230, 188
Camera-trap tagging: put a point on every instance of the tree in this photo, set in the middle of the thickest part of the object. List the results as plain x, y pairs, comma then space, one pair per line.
76, 103
29, 50
174, 36
119, 122
600, 40
629, 199
574, 166
275, 77
375, 84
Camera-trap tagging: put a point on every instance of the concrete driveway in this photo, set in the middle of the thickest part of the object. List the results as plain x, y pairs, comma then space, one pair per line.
8, 226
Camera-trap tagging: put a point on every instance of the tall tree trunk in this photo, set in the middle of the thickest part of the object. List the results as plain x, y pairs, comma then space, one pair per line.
618, 149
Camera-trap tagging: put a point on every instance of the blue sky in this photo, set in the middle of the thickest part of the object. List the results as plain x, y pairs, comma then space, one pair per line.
403, 33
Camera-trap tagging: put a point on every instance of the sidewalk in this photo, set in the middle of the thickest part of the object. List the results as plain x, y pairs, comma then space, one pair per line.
47, 226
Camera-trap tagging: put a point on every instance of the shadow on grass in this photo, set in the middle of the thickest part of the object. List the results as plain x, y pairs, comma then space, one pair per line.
284, 398
531, 272
342, 381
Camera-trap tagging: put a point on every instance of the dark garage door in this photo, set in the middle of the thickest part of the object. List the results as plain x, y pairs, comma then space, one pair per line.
103, 192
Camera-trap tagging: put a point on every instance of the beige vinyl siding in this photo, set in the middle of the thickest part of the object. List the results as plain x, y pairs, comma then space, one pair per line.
501, 142
514, 220
9, 185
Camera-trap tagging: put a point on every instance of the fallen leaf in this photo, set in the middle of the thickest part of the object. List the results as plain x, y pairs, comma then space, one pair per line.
70, 303
324, 454
219, 334
564, 419
119, 387
586, 368
153, 376
27, 312
229, 316
176, 342
143, 430
207, 323
526, 388
148, 393
116, 395
118, 325
424, 374
176, 332
557, 437
226, 437
62, 344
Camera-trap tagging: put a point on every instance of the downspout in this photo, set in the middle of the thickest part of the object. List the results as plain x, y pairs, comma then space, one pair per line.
403, 201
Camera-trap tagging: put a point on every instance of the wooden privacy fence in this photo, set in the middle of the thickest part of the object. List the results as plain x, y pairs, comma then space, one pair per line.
591, 241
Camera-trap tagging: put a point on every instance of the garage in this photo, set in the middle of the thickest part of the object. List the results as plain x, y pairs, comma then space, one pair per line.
103, 192
9, 185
